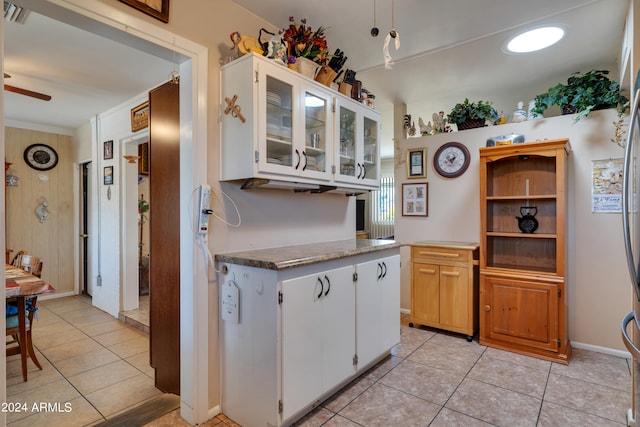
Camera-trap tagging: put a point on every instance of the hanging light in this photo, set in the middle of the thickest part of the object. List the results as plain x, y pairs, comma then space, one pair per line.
131, 159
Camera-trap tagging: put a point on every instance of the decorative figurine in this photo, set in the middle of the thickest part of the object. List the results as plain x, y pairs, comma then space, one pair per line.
519, 115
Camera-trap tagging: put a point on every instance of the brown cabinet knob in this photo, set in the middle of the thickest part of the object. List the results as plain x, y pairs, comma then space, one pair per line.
487, 308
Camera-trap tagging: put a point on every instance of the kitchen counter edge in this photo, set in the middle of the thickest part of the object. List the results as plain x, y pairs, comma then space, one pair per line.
281, 258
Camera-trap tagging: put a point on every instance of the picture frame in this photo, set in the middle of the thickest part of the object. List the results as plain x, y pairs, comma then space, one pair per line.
415, 199
159, 9
143, 162
416, 163
107, 149
140, 117
108, 175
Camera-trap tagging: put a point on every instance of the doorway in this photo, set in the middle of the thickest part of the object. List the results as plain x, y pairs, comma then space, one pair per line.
85, 221
194, 299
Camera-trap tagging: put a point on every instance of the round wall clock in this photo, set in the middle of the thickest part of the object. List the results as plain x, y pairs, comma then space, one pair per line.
41, 157
452, 159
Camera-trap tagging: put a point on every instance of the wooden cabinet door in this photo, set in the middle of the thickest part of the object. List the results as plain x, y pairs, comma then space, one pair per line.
164, 235
318, 335
522, 312
454, 297
378, 308
425, 298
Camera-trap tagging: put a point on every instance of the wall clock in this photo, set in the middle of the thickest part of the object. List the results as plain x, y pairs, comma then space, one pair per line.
451, 160
41, 157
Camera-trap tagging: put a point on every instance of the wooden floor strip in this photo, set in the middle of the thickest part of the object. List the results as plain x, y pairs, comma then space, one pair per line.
145, 413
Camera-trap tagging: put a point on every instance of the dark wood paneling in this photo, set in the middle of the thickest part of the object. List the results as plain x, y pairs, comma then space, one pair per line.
164, 235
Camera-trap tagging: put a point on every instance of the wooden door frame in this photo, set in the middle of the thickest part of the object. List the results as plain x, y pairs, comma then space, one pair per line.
108, 21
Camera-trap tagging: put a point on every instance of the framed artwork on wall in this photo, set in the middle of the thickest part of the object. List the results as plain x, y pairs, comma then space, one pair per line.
415, 200
140, 117
107, 150
159, 9
416, 163
108, 175
143, 163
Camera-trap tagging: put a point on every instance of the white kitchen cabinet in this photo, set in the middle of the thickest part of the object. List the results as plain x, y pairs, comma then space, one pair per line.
378, 307
291, 340
291, 132
318, 327
357, 156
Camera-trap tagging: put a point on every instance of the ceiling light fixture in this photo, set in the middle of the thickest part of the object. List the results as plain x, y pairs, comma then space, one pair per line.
536, 39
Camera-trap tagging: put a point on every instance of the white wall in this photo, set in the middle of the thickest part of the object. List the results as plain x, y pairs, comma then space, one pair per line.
598, 285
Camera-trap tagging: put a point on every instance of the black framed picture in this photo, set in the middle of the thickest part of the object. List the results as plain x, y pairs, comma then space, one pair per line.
416, 163
108, 150
108, 175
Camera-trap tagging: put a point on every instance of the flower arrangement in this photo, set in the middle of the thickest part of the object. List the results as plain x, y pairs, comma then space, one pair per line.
305, 42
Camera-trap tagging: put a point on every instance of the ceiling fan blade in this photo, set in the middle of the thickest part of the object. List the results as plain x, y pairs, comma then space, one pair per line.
26, 92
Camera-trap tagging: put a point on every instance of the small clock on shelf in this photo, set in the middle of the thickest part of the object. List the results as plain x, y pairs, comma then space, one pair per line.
41, 157
451, 160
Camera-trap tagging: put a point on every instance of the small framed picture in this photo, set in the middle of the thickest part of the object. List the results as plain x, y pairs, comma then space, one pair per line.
108, 175
415, 199
140, 117
159, 9
416, 165
143, 163
108, 150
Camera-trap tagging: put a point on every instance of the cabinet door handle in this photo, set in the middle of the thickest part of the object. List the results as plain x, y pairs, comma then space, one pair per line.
379, 271
297, 154
328, 285
321, 288
442, 254
364, 171
487, 308
451, 273
384, 264
359, 170
304, 153
427, 271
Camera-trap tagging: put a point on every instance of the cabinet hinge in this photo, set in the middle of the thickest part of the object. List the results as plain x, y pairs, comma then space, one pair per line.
280, 406
256, 154
333, 106
559, 343
256, 76
559, 293
355, 360
355, 277
279, 297
333, 169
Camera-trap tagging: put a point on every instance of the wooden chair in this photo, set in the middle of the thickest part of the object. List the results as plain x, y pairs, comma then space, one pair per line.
13, 331
17, 259
32, 264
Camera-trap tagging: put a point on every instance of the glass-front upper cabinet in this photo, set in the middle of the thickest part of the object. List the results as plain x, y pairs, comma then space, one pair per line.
296, 124
357, 157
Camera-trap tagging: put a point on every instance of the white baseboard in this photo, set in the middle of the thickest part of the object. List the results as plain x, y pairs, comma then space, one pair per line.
56, 295
214, 411
405, 311
599, 349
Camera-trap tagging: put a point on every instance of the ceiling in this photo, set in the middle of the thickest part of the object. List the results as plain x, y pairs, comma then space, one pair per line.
449, 50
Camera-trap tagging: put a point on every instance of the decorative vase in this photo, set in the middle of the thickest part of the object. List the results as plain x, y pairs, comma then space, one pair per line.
307, 67
471, 124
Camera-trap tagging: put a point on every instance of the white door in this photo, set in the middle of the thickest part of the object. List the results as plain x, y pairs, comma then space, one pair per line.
378, 307
318, 328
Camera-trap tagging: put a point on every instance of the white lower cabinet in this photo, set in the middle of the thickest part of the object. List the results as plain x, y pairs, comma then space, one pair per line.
302, 333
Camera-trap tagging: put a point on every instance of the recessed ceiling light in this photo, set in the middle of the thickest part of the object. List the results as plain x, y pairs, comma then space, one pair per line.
536, 39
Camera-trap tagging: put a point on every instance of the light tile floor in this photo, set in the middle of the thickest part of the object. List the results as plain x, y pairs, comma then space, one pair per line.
96, 363
100, 366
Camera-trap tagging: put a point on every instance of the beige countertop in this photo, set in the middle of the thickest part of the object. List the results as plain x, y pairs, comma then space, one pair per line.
298, 255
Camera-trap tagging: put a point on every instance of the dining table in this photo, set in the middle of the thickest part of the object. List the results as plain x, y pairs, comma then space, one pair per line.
21, 284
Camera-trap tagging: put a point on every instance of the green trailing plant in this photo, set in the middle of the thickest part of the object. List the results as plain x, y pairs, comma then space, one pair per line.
581, 94
481, 110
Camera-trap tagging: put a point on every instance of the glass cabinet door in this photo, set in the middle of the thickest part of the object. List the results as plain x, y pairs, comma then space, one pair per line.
316, 109
370, 152
279, 113
347, 143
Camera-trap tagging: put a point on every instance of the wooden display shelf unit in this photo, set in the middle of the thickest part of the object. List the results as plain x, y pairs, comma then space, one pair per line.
444, 286
523, 305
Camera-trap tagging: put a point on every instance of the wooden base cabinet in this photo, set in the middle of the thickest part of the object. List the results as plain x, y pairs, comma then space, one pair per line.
290, 338
523, 306
444, 286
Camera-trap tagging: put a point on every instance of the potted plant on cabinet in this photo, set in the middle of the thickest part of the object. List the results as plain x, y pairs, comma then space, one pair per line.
469, 115
582, 93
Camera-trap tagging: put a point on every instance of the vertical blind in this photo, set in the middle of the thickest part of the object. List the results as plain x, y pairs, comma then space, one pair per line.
382, 209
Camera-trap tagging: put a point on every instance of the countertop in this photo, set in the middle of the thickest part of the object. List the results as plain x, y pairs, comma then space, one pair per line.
299, 255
